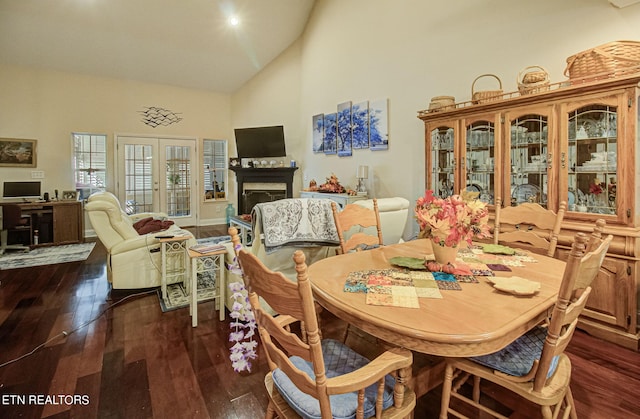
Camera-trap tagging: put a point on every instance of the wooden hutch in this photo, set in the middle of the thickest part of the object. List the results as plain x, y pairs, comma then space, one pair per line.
573, 142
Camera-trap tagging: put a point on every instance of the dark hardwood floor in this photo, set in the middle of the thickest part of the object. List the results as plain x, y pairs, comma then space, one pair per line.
124, 358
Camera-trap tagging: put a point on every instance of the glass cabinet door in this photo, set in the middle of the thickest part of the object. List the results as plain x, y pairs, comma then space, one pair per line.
592, 158
442, 161
480, 160
528, 154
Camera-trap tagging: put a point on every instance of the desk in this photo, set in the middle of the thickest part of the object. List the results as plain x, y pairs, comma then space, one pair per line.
475, 321
57, 222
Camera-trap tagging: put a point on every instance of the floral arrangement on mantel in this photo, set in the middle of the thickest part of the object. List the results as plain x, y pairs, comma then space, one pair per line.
452, 220
243, 324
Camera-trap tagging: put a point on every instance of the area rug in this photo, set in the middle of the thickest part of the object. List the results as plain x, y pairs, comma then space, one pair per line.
46, 256
176, 293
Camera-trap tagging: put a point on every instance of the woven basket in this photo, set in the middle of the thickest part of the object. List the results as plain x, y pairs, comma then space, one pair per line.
607, 58
485, 95
533, 79
442, 103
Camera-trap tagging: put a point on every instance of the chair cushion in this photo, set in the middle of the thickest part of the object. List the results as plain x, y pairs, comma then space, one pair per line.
517, 358
339, 359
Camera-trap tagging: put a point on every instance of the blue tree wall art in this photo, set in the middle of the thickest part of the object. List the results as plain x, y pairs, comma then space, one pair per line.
318, 133
330, 133
344, 129
360, 125
378, 125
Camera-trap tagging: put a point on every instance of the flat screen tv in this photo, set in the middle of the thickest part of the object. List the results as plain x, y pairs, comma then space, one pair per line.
21, 190
260, 142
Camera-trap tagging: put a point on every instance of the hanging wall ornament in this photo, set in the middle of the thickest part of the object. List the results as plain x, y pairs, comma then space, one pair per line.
154, 116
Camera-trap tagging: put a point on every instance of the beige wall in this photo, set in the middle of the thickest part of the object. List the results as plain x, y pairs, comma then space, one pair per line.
409, 51
49, 106
405, 50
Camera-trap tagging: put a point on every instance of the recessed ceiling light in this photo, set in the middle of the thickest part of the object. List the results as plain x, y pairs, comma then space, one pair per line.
234, 21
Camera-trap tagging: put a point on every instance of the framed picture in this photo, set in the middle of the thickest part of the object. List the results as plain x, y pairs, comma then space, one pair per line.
16, 152
69, 195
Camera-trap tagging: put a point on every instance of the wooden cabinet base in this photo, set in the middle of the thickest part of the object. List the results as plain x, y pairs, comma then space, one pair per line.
606, 332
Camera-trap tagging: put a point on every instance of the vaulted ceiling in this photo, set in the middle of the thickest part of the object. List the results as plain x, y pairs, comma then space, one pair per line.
186, 43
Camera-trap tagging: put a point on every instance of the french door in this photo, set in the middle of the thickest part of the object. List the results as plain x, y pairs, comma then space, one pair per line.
155, 175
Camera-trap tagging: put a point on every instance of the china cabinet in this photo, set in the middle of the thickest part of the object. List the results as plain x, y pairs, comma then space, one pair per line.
573, 143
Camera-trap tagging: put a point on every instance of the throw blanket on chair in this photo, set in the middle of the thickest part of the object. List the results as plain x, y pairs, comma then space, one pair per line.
298, 222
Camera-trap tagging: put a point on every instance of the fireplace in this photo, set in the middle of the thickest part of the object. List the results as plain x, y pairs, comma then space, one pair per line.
256, 185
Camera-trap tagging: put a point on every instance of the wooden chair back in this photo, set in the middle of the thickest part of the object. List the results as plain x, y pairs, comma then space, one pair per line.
529, 225
351, 223
582, 267
293, 301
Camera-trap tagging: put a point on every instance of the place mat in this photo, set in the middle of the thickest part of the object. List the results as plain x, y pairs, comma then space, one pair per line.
386, 285
446, 281
392, 295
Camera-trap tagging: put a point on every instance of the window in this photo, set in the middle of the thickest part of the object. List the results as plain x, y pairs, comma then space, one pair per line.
89, 163
215, 169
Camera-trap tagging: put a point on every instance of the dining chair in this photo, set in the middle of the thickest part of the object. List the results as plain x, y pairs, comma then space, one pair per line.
318, 378
529, 225
534, 366
356, 225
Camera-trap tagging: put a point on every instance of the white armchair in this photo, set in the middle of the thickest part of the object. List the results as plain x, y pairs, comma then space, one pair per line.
394, 213
133, 261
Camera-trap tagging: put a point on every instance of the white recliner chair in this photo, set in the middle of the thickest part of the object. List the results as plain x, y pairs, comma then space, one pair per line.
133, 261
394, 213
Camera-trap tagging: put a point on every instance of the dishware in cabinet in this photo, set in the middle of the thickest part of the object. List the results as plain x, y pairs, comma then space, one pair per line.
480, 170
441, 158
528, 158
590, 158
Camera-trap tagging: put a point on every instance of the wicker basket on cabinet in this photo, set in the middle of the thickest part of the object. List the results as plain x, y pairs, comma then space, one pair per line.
533, 79
442, 103
604, 59
485, 95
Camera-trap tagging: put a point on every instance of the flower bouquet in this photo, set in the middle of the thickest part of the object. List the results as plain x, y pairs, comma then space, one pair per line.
450, 221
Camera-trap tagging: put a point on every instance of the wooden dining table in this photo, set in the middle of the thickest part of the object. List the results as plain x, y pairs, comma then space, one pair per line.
476, 320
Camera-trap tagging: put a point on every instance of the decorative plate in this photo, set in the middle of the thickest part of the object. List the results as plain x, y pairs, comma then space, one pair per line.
408, 262
486, 197
498, 249
515, 285
472, 187
522, 193
572, 197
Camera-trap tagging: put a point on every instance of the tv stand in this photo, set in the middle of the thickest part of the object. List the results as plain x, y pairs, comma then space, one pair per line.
57, 222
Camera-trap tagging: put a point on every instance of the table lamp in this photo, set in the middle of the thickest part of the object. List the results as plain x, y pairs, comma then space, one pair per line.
362, 174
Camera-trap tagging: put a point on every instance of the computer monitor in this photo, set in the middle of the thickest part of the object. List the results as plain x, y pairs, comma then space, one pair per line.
15, 191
